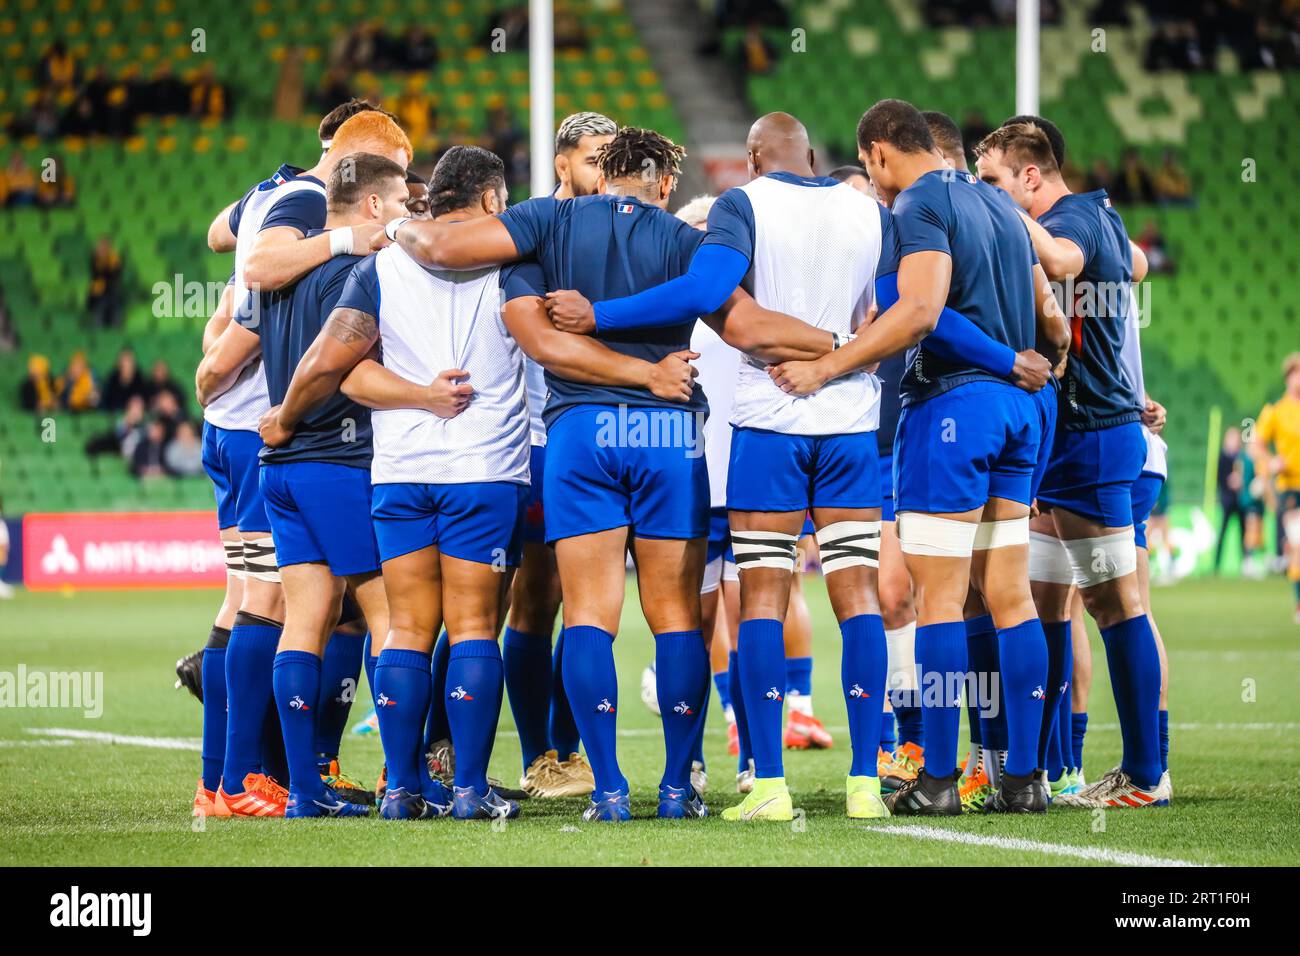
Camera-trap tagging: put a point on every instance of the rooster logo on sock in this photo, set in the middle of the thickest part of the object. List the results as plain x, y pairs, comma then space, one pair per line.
460, 693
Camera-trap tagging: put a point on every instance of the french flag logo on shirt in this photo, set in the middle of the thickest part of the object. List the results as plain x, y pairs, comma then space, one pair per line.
625, 207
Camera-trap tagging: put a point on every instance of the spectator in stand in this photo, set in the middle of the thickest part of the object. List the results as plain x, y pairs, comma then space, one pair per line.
167, 95
1172, 185
1133, 181
503, 132
208, 95
147, 456
757, 53
417, 49
168, 410
37, 392
124, 382
1153, 244
104, 299
416, 113
160, 383
55, 188
76, 387
58, 67
20, 182
183, 456
1100, 176
121, 439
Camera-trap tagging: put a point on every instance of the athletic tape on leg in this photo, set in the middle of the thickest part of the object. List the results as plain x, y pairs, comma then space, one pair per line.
1049, 562
763, 549
234, 558
1001, 534
259, 560
847, 544
900, 646
936, 537
712, 576
1104, 558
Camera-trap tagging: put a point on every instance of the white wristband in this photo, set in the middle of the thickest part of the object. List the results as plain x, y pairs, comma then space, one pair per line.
341, 241
390, 230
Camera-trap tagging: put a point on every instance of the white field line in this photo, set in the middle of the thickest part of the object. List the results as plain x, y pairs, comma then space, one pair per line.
1096, 854
157, 743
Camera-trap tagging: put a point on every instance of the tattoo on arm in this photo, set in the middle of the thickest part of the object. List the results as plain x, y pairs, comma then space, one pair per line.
352, 326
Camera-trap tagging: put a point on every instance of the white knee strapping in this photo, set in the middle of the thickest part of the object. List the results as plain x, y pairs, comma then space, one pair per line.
1104, 558
763, 549
900, 644
259, 560
729, 571
1001, 534
712, 576
847, 544
934, 536
1048, 560
234, 558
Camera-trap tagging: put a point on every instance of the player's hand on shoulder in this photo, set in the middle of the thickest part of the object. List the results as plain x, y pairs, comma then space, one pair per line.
571, 312
449, 393
367, 237
798, 378
1153, 416
673, 376
273, 433
1031, 370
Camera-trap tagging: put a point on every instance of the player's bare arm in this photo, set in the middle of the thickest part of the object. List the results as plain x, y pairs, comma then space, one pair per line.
768, 335
471, 244
579, 358
1140, 264
1053, 326
1059, 256
345, 340
222, 363
281, 255
377, 387
220, 237
923, 279
220, 317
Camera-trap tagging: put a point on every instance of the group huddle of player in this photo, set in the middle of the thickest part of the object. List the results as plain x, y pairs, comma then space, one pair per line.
430, 416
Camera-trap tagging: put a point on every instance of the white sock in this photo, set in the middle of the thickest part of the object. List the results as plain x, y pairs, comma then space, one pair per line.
801, 703
729, 713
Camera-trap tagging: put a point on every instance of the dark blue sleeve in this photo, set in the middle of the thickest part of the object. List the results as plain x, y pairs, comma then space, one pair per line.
921, 221
361, 291
522, 279
731, 222
530, 223
303, 210
1075, 225
335, 281
955, 338
236, 213
714, 273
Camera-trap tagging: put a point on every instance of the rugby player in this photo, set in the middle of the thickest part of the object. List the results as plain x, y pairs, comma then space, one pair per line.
1276, 452
611, 470
1097, 457
967, 440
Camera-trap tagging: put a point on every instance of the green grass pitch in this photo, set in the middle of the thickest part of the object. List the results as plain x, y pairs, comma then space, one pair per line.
1235, 759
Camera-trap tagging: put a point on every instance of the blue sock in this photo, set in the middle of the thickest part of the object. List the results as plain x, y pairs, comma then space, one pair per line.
697, 749
1063, 728
762, 676
798, 676
1022, 658
911, 726
722, 681
563, 728
1078, 730
249, 698
982, 658
214, 707
591, 682
297, 678
863, 667
1060, 664
526, 659
340, 669
1134, 667
941, 659
403, 687
682, 679
1164, 740
888, 733
738, 708
474, 683
437, 728
275, 763
993, 720
369, 662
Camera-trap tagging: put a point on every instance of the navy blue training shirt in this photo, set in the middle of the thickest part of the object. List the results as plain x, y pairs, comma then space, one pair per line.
304, 210
605, 247
338, 429
1097, 393
977, 225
